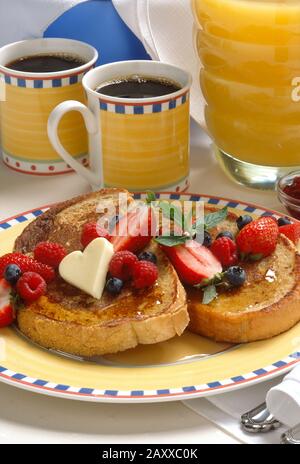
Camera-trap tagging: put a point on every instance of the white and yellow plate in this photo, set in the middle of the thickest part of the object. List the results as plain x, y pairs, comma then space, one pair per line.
185, 367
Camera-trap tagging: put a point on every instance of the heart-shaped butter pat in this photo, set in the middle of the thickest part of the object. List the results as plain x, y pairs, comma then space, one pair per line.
87, 270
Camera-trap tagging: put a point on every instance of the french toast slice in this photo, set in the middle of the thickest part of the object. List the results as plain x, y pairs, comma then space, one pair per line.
69, 320
265, 306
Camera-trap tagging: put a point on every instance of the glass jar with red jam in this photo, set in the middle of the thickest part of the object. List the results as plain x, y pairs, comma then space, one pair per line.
288, 189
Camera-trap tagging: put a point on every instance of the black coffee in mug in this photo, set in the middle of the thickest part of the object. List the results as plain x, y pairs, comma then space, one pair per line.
138, 87
46, 63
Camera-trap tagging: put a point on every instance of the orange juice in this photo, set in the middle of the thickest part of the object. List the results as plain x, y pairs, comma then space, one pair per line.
250, 54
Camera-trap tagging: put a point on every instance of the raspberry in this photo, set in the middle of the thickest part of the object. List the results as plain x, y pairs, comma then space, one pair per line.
90, 231
259, 238
225, 250
49, 253
291, 231
122, 265
145, 274
31, 286
26, 264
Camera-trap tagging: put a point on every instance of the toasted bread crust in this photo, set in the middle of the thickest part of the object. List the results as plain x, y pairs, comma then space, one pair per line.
241, 324
97, 339
68, 320
248, 326
39, 230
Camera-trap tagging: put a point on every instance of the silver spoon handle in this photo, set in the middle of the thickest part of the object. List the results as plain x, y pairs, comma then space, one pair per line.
259, 420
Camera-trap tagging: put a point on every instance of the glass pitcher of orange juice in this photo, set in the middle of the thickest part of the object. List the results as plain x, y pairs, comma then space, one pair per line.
250, 79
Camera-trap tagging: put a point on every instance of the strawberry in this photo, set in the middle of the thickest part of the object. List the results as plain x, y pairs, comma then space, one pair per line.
6, 307
49, 253
193, 262
145, 274
91, 231
225, 250
258, 239
31, 286
122, 264
133, 231
291, 231
26, 264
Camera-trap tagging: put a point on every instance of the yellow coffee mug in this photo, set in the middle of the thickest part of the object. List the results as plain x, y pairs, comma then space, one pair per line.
136, 144
28, 99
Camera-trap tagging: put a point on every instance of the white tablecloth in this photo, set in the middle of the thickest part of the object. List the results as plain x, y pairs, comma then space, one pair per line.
26, 417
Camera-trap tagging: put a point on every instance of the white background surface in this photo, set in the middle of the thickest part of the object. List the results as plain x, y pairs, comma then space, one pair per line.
31, 418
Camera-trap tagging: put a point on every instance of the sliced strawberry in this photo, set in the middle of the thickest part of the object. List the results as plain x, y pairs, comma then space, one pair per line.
193, 262
134, 231
6, 308
291, 231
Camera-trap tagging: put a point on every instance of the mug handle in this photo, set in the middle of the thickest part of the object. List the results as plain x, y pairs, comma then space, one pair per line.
94, 176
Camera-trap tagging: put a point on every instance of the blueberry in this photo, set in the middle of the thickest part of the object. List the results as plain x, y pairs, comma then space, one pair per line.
242, 221
114, 285
147, 256
12, 273
236, 276
114, 221
207, 240
283, 221
226, 233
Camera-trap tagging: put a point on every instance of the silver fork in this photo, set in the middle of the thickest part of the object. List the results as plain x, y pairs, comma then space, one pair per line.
260, 420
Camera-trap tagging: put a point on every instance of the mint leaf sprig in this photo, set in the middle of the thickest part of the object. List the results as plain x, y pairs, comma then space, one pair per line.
209, 294
171, 241
210, 287
216, 280
176, 215
171, 212
211, 220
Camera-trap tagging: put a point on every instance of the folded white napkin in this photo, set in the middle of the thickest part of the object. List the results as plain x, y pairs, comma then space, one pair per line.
283, 400
136, 15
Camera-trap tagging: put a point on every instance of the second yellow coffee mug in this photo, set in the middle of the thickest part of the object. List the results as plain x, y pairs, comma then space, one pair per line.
136, 144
